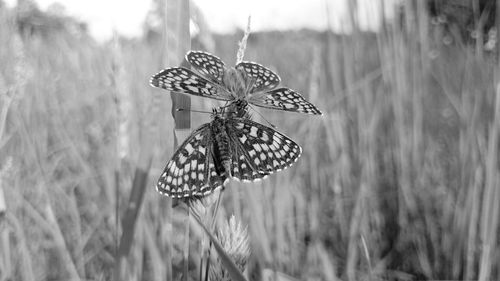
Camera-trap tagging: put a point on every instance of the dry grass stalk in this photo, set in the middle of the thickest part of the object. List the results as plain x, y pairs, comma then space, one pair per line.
140, 180
226, 264
491, 207
177, 42
243, 43
233, 238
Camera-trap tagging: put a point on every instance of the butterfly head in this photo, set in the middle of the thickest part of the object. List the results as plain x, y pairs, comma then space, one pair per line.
238, 108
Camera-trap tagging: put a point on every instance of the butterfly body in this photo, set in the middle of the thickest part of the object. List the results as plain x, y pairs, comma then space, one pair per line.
222, 156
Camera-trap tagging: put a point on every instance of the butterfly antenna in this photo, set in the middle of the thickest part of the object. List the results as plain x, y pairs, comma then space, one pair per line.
192, 110
262, 116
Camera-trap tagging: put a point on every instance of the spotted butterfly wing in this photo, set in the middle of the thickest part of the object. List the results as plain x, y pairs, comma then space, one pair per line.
210, 66
262, 78
182, 80
284, 99
262, 94
260, 148
254, 149
191, 171
259, 84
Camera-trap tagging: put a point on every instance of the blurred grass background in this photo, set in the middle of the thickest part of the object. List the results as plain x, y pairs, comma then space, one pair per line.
399, 179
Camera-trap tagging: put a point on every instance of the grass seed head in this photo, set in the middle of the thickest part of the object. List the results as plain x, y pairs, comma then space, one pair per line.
233, 238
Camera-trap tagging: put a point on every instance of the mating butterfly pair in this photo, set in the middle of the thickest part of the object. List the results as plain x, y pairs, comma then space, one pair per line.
231, 146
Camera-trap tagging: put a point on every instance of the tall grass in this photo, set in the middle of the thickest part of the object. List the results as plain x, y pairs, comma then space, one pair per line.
398, 180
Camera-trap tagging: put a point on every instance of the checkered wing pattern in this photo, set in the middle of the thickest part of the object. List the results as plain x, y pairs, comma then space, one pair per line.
185, 81
284, 99
259, 150
191, 171
263, 79
242, 167
207, 64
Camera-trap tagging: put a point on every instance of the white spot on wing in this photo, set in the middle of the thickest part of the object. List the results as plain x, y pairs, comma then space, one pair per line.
257, 147
253, 131
189, 148
182, 159
243, 139
202, 150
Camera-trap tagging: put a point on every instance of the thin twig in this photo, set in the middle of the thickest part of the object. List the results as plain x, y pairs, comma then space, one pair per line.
243, 43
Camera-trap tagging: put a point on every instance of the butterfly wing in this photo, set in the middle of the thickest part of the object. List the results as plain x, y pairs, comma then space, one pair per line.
191, 171
242, 167
207, 64
185, 81
284, 99
259, 150
263, 78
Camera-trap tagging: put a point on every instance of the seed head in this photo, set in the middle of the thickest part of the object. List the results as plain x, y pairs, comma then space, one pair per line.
233, 238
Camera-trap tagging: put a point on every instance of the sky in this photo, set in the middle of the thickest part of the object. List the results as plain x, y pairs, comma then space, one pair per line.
223, 16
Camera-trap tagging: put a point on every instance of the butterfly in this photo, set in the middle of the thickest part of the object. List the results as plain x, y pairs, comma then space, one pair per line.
247, 81
225, 148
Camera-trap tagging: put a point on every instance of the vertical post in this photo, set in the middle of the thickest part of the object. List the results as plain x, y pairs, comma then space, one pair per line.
177, 42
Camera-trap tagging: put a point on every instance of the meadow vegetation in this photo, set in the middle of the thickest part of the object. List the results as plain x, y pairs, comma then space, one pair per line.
399, 180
